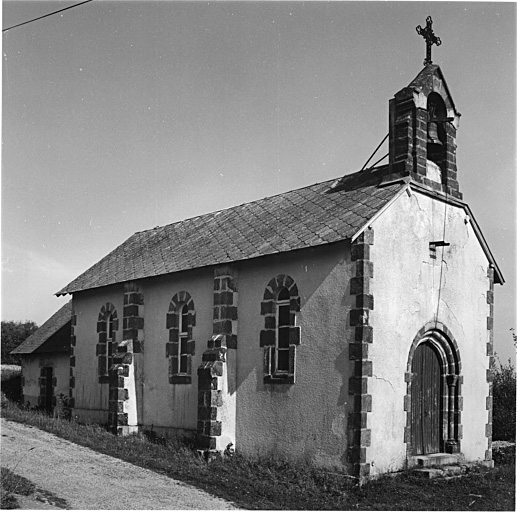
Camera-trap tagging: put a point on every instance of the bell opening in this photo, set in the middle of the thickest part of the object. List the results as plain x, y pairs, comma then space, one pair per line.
436, 137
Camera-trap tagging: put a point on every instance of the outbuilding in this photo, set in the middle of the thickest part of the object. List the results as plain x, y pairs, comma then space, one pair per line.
45, 357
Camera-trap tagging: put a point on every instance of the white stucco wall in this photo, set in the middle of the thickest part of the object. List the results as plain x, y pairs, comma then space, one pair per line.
307, 419
406, 287
31, 366
91, 398
169, 407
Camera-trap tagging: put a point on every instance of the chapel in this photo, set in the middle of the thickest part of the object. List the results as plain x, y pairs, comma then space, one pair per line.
349, 322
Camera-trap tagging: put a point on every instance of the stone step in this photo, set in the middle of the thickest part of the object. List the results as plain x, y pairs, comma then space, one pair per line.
444, 471
437, 459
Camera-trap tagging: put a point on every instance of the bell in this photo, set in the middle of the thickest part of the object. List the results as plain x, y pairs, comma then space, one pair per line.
432, 134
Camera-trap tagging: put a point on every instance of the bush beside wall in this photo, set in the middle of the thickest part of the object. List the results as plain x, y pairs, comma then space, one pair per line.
11, 376
503, 420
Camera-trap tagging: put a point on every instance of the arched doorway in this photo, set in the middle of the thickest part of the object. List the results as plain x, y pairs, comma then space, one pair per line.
433, 393
426, 401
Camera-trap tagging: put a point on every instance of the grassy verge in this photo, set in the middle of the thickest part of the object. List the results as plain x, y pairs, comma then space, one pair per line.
11, 485
274, 484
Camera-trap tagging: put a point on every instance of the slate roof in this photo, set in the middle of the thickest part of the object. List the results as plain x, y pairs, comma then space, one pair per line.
307, 217
55, 327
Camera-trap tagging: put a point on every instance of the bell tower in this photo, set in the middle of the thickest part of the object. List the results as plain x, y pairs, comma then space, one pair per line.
422, 128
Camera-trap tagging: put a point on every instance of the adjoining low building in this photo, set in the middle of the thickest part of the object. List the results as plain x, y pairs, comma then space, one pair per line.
45, 356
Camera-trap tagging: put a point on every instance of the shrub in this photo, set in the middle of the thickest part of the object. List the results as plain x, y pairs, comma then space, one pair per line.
503, 419
11, 376
503, 454
13, 334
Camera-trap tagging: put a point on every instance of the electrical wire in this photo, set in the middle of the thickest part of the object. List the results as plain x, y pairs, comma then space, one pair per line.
46, 15
441, 259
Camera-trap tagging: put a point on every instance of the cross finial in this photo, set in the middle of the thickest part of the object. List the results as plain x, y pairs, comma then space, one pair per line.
430, 38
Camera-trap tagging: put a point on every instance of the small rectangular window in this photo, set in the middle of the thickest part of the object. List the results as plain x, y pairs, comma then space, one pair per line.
184, 320
183, 363
283, 337
183, 354
282, 345
110, 327
109, 344
283, 315
283, 360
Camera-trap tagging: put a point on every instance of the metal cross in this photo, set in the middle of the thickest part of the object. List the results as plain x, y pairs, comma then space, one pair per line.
430, 39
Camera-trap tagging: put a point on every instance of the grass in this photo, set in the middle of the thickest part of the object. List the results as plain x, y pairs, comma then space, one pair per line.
12, 484
273, 484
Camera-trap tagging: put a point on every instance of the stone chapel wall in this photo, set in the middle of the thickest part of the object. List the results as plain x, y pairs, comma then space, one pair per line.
410, 299
307, 418
89, 390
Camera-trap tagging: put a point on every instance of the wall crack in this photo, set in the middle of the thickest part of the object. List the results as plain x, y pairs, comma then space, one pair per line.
384, 380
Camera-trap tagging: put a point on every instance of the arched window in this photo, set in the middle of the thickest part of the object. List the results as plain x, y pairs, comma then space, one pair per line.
107, 327
281, 335
180, 348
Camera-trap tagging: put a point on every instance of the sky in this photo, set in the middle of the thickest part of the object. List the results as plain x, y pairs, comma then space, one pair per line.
119, 116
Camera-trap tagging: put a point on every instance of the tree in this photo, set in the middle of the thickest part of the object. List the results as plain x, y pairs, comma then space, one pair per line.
503, 419
14, 333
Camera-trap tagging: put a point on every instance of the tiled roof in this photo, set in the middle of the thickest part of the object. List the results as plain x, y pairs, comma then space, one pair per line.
307, 217
57, 322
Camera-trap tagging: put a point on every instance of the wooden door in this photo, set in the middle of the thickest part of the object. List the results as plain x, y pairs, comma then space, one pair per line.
49, 388
426, 397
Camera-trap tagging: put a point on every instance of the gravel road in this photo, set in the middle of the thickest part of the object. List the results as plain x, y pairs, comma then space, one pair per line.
88, 480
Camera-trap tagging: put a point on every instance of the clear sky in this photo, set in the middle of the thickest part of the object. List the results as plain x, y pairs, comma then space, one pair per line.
119, 116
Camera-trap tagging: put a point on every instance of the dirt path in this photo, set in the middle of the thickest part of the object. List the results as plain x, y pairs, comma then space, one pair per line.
88, 480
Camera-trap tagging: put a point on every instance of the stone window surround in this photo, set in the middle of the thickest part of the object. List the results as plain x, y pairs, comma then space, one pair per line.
106, 347
172, 347
269, 335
